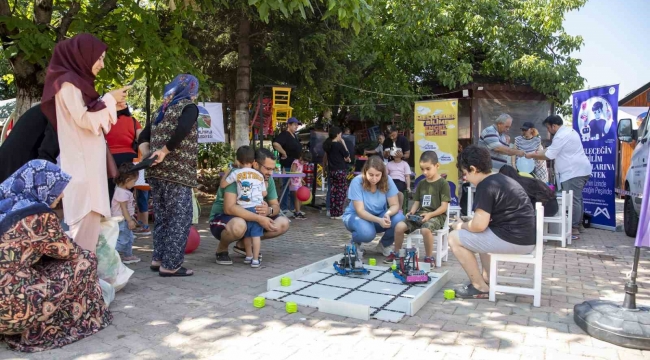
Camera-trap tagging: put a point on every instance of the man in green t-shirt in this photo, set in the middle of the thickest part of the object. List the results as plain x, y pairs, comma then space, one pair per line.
228, 220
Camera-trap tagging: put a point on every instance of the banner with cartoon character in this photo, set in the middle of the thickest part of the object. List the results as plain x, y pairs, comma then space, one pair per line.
210, 123
436, 129
595, 113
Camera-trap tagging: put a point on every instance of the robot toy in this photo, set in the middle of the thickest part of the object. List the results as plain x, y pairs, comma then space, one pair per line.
350, 262
408, 271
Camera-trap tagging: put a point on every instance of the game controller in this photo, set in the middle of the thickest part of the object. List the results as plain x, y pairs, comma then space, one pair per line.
415, 218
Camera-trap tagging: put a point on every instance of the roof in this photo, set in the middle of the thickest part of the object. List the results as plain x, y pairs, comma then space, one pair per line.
634, 94
6, 108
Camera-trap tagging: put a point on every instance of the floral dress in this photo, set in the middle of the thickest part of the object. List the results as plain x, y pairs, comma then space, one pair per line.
50, 294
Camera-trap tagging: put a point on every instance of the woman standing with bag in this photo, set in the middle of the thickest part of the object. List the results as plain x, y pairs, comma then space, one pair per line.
81, 118
122, 140
173, 137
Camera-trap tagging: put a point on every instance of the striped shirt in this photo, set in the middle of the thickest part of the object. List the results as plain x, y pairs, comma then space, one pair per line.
531, 146
491, 139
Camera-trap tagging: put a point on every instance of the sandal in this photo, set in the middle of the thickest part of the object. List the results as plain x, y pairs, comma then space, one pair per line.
154, 267
575, 237
180, 272
470, 292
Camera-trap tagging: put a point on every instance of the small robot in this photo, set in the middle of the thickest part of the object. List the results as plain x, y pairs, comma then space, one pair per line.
408, 271
350, 263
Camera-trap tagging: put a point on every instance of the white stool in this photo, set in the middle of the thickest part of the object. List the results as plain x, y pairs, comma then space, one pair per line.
534, 258
440, 237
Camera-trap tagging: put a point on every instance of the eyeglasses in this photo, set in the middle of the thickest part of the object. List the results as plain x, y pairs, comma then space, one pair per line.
267, 168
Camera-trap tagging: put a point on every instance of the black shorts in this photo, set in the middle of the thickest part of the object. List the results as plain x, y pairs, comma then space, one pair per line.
219, 221
401, 185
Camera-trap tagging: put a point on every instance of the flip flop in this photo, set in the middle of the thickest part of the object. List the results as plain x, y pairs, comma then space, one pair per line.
470, 292
180, 272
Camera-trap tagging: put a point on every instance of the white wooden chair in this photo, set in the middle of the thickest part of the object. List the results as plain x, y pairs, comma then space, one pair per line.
561, 231
440, 238
534, 258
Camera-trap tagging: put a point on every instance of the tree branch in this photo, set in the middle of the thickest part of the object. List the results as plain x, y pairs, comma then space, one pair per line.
107, 6
67, 20
5, 10
42, 12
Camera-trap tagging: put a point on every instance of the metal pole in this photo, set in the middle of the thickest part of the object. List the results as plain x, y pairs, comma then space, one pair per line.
631, 287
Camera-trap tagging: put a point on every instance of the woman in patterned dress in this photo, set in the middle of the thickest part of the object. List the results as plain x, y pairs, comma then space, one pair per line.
50, 291
338, 158
173, 138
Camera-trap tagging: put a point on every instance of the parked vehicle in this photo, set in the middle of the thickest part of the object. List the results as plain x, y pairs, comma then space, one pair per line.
635, 178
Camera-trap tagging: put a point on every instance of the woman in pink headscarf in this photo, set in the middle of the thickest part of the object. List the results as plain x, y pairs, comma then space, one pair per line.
81, 118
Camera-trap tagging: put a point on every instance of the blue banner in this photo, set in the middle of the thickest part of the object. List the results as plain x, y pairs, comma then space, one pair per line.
595, 114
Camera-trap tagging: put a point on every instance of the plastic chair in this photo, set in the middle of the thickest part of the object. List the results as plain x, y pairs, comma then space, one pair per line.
562, 219
534, 258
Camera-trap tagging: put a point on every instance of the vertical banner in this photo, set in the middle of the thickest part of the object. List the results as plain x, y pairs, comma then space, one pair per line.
595, 113
436, 129
210, 123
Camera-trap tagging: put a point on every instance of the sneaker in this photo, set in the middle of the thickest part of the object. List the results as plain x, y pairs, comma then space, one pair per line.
255, 263
430, 260
390, 258
336, 217
130, 259
248, 259
142, 231
328, 213
287, 213
383, 250
241, 251
359, 252
299, 215
223, 258
470, 292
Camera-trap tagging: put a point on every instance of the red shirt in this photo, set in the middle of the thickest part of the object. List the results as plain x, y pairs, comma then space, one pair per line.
120, 138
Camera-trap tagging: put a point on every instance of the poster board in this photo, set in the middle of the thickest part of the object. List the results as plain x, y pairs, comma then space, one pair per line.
436, 129
210, 123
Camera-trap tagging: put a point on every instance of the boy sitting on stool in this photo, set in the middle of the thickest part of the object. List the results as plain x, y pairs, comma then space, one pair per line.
432, 196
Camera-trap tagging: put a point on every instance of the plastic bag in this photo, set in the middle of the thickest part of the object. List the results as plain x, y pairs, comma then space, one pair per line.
108, 292
109, 264
196, 209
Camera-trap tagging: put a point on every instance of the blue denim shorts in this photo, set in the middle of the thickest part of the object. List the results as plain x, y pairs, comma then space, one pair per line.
142, 199
253, 228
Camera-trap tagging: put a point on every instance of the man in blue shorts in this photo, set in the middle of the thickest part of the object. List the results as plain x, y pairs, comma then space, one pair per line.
228, 220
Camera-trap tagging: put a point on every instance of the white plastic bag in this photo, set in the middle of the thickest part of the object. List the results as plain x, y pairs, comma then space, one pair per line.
108, 292
109, 264
196, 209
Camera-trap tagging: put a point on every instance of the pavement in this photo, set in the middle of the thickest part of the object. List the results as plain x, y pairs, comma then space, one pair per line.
210, 315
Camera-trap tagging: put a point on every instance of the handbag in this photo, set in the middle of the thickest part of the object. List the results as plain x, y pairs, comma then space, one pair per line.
111, 166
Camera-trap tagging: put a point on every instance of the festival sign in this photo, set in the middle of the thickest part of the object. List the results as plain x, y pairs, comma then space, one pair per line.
210, 123
595, 119
436, 129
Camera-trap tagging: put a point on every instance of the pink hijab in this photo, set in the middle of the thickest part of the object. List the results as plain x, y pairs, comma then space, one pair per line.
72, 62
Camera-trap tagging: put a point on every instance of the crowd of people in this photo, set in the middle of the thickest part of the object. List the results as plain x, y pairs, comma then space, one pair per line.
78, 148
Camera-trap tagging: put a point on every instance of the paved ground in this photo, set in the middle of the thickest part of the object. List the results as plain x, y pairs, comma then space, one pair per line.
210, 315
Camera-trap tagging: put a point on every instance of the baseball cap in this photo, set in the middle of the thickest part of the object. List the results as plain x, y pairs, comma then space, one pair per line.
293, 120
527, 125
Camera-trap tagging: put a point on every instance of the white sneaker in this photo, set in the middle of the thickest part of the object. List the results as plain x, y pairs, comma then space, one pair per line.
359, 252
385, 251
328, 213
287, 213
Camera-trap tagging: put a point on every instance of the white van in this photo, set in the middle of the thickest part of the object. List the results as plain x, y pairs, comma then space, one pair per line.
635, 178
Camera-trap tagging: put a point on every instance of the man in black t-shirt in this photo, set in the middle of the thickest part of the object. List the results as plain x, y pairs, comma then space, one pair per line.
396, 142
289, 147
503, 222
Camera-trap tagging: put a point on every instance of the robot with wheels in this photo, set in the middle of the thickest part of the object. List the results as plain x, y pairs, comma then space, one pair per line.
408, 271
350, 263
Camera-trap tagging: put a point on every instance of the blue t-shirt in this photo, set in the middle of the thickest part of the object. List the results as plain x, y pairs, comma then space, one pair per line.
375, 203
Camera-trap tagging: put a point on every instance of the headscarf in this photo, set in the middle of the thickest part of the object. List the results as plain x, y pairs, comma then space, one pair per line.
30, 190
72, 61
184, 86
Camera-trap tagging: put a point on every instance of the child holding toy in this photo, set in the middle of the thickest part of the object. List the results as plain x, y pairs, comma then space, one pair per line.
297, 167
429, 211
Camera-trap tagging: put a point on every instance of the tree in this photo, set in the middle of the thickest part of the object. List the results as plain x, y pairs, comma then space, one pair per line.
144, 40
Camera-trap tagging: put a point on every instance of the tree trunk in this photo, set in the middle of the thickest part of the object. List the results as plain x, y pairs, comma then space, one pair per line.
29, 79
242, 95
